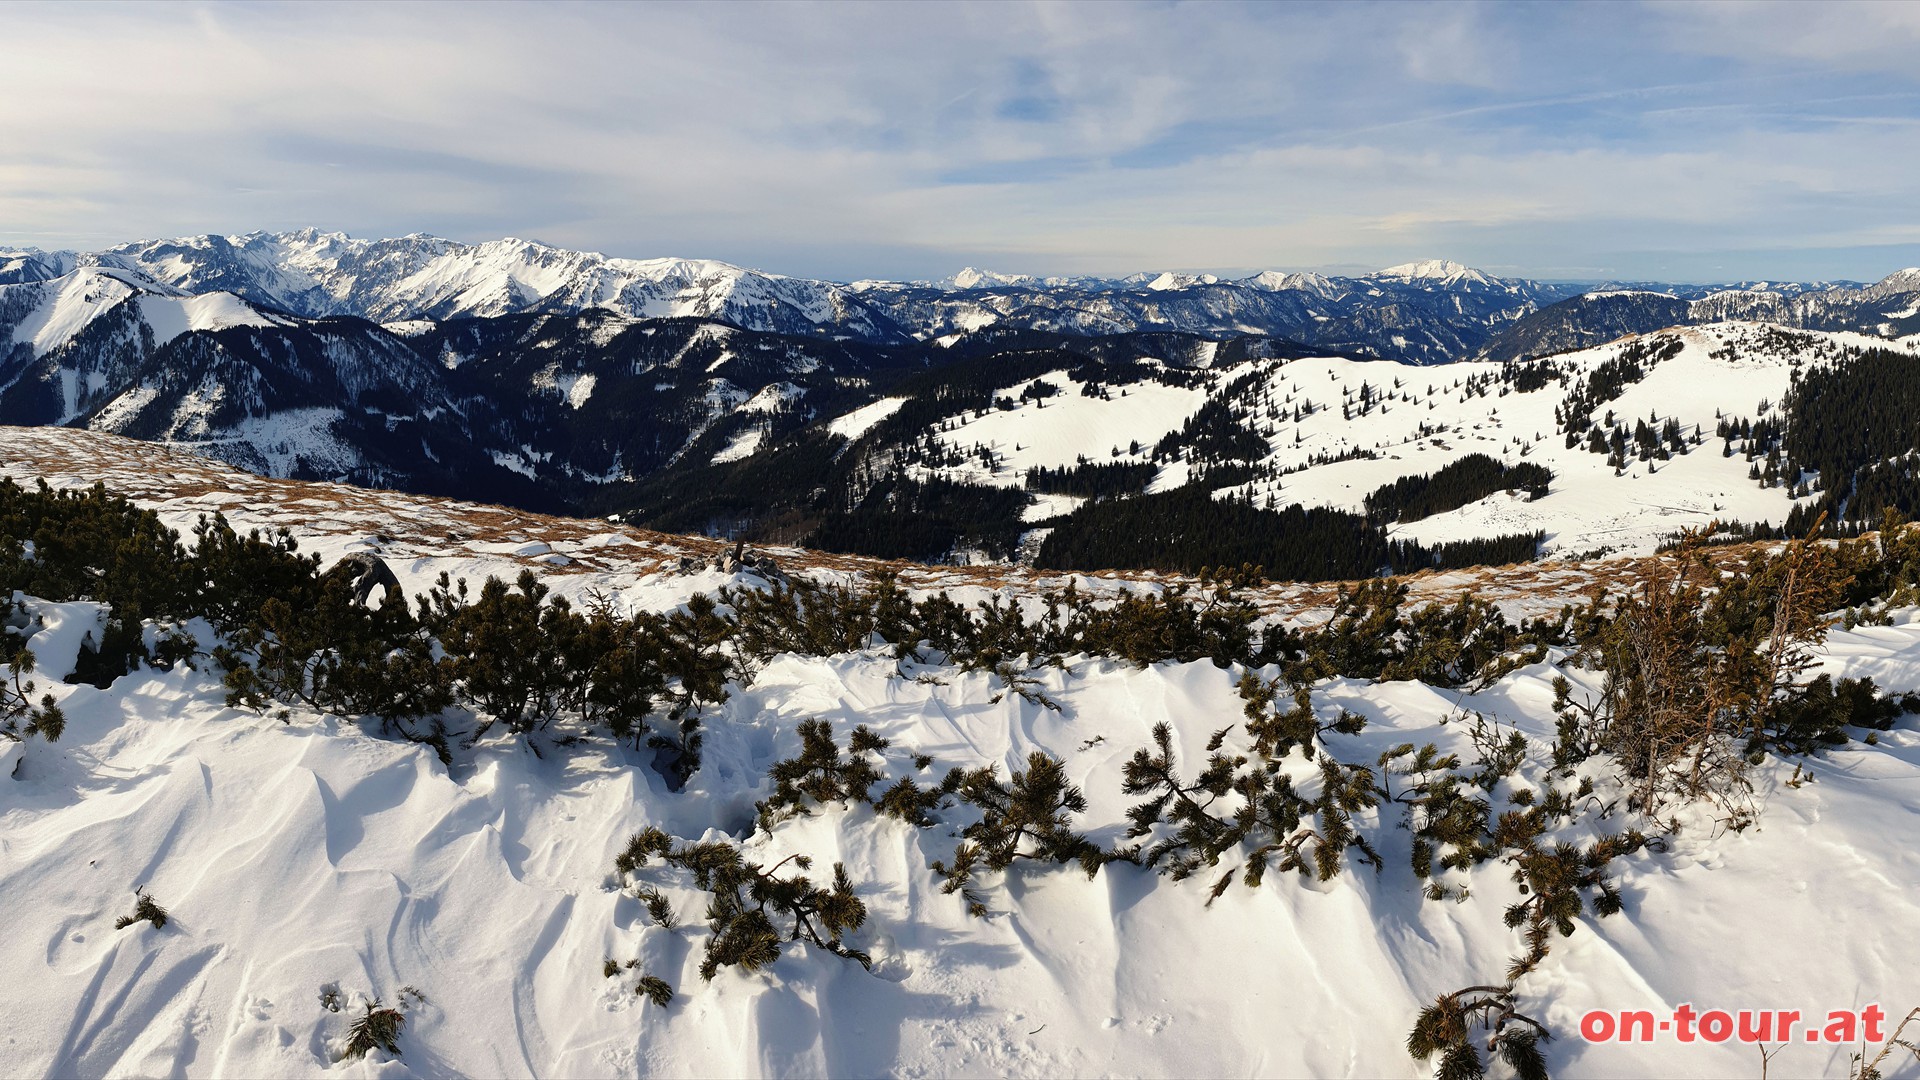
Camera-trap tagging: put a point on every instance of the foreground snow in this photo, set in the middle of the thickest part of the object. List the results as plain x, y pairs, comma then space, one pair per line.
310, 853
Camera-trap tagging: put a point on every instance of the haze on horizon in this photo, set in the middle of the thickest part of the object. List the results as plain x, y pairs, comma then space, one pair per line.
1679, 142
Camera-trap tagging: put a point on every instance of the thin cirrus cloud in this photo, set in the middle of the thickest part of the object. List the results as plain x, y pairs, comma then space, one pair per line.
1686, 141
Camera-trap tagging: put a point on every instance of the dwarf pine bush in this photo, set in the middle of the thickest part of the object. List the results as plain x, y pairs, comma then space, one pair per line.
821, 774
649, 985
1445, 1029
146, 910
1237, 804
1029, 816
378, 1028
752, 910
21, 717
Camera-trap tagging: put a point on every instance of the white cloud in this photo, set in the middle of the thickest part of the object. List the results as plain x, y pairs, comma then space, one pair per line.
903, 140
1879, 32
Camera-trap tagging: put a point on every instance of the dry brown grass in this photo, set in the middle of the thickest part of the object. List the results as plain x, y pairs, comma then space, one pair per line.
181, 485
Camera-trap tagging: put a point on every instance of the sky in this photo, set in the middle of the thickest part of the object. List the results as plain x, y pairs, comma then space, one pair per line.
1677, 142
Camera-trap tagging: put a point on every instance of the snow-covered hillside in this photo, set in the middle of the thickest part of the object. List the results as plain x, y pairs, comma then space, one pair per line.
112, 349
303, 855
48, 315
1336, 430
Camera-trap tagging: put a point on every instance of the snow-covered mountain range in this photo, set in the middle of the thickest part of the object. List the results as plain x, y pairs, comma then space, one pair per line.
319, 274
1427, 311
703, 397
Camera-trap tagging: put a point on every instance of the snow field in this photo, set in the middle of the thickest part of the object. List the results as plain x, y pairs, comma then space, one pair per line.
1056, 431
294, 855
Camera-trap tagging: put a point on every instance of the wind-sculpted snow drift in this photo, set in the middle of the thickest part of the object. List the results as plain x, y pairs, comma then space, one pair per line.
298, 854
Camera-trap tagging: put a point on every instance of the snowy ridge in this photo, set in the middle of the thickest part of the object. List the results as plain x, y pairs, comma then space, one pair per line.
48, 315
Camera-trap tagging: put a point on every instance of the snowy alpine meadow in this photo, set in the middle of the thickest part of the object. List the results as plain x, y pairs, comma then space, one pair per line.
1053, 826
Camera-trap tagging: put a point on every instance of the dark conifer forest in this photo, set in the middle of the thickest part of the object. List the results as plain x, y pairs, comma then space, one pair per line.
1856, 424
1188, 529
1469, 479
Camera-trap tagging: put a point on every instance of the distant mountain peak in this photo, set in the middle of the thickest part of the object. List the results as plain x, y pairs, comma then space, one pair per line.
973, 277
1441, 270
1171, 280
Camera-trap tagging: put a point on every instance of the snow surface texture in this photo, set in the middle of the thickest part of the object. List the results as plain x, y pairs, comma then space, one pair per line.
298, 855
